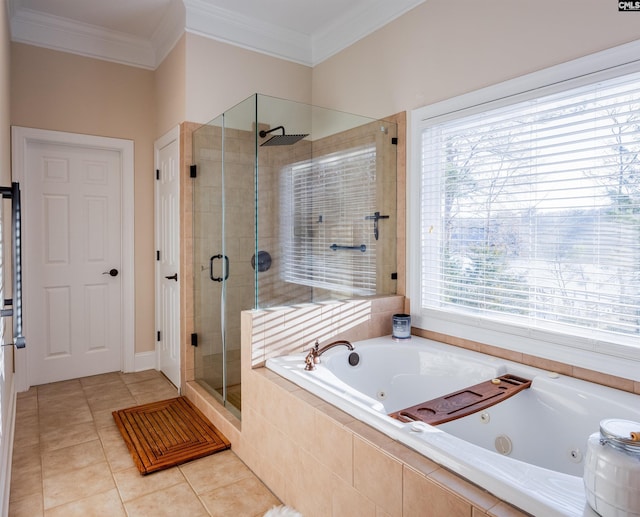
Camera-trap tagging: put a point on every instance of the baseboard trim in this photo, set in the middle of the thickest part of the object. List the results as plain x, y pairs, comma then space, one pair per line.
145, 361
6, 450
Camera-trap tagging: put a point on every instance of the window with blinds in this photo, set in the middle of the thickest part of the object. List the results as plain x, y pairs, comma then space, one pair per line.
327, 240
531, 212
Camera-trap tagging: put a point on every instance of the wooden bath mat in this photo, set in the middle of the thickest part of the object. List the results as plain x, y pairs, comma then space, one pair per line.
464, 402
167, 433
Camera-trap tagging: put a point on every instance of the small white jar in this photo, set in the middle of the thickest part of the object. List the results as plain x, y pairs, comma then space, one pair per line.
612, 469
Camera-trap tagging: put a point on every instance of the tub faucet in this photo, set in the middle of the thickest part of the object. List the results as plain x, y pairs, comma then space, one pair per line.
313, 357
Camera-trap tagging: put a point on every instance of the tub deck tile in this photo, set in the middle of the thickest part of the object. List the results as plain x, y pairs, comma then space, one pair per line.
423, 496
370, 434
411, 458
503, 509
337, 414
475, 495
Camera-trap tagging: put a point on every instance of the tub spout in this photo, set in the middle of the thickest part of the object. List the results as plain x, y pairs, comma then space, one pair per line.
313, 357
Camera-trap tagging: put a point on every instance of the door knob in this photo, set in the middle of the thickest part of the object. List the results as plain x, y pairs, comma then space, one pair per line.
172, 277
111, 272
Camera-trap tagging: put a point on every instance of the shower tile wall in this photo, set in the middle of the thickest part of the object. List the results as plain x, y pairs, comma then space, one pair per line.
186, 252
238, 246
239, 163
209, 157
272, 290
240, 146
293, 330
379, 133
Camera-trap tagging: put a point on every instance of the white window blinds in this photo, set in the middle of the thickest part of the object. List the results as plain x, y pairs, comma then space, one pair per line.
327, 241
531, 212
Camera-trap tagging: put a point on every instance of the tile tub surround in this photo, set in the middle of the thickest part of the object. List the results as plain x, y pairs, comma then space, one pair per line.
611, 381
323, 461
289, 330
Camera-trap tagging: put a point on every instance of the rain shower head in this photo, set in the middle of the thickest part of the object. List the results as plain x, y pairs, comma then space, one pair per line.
282, 139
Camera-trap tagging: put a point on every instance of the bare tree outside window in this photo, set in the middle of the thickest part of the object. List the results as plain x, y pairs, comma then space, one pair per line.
539, 205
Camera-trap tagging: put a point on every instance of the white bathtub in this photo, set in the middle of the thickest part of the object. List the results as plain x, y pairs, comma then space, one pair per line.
546, 425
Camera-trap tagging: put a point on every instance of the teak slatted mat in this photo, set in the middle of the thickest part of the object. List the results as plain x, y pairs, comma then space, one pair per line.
167, 433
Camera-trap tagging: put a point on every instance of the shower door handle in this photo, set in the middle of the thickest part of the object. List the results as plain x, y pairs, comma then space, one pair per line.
226, 268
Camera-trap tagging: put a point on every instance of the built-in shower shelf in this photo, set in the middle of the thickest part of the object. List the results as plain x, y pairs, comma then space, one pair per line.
464, 402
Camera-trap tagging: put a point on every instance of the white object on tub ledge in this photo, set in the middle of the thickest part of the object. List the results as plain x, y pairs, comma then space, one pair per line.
544, 429
612, 469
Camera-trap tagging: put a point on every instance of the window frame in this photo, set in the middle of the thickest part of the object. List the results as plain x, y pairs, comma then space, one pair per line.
585, 352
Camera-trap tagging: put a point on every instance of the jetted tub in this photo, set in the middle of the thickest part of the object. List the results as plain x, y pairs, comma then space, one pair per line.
527, 450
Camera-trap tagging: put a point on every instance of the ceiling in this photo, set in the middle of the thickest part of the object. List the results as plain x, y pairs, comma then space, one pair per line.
142, 32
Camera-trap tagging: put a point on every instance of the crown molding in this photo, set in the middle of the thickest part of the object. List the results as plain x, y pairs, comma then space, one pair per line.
57, 33
356, 24
200, 17
169, 31
230, 27
204, 19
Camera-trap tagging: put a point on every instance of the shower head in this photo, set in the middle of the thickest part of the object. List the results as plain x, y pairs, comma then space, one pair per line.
282, 139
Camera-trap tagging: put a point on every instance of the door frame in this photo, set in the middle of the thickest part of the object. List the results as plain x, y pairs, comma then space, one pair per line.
20, 138
169, 137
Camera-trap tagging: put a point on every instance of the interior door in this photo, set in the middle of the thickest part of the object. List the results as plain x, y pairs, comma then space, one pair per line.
72, 260
168, 275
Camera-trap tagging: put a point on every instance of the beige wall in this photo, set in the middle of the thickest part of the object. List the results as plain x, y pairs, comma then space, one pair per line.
5, 62
219, 76
64, 92
444, 48
199, 79
437, 50
171, 96
7, 399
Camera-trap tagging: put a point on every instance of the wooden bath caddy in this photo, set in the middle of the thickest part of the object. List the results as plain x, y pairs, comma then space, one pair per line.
464, 402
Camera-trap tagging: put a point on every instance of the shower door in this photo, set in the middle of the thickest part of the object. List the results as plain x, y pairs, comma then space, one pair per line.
224, 243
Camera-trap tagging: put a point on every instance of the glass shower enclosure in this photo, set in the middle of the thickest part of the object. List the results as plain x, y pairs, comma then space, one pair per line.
292, 204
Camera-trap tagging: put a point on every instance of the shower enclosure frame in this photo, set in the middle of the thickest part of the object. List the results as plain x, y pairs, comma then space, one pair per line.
235, 142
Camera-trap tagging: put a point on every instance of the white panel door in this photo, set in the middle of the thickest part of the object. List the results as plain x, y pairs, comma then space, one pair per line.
72, 243
167, 228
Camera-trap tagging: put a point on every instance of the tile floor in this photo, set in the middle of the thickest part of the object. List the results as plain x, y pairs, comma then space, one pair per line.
70, 460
